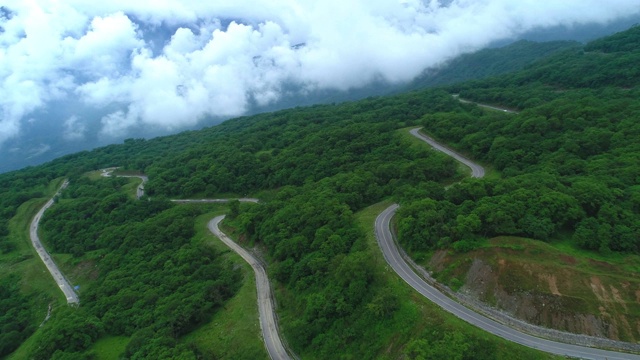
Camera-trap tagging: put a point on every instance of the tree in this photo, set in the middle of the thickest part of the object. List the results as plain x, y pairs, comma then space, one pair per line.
234, 209
586, 235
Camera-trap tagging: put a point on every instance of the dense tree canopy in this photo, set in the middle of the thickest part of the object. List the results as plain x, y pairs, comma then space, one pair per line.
568, 163
153, 282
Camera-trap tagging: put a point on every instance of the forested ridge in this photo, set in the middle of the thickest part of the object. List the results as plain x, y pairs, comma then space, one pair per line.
569, 159
149, 280
567, 163
569, 175
491, 62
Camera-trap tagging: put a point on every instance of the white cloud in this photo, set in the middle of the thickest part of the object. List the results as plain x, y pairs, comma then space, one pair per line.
107, 52
116, 124
39, 150
105, 91
74, 129
105, 48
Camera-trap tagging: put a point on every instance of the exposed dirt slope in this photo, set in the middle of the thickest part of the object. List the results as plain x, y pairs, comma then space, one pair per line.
539, 284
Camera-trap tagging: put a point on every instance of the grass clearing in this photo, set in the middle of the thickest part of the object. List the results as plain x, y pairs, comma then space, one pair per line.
550, 253
78, 271
25, 348
131, 188
233, 332
19, 228
53, 186
121, 172
94, 175
109, 348
627, 262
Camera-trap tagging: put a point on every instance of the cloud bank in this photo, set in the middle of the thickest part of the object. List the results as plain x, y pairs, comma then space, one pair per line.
168, 64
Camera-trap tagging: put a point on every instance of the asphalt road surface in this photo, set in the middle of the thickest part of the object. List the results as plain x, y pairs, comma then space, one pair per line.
187, 201
485, 106
65, 287
399, 265
139, 191
268, 322
477, 171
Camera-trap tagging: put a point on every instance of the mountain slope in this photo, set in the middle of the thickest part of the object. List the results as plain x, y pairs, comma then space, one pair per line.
569, 169
568, 173
610, 62
36, 145
491, 62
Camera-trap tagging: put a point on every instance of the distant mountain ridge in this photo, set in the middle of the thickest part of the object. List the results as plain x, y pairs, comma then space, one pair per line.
37, 145
609, 62
491, 62
568, 170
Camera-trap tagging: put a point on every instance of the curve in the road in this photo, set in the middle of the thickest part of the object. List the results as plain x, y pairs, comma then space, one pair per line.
139, 190
477, 171
266, 308
457, 96
63, 284
268, 322
393, 257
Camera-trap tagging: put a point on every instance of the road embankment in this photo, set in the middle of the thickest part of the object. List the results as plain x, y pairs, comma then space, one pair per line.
408, 271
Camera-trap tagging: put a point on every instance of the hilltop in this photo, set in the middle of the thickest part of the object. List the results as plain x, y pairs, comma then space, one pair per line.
42, 147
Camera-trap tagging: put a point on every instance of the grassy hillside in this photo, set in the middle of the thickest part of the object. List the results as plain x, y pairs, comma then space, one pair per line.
568, 173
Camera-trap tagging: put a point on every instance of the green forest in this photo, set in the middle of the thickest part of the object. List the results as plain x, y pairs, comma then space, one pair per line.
565, 166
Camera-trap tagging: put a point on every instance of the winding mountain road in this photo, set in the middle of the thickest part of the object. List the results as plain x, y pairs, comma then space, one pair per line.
391, 253
139, 190
63, 284
268, 322
393, 257
456, 96
266, 309
477, 171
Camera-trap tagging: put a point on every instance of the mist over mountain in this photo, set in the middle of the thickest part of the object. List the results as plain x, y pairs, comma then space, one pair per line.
75, 76
560, 199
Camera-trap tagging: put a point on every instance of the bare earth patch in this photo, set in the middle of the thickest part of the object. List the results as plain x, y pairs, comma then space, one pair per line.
551, 280
536, 283
569, 260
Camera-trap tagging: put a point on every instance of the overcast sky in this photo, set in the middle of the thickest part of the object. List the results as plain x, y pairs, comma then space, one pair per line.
167, 64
